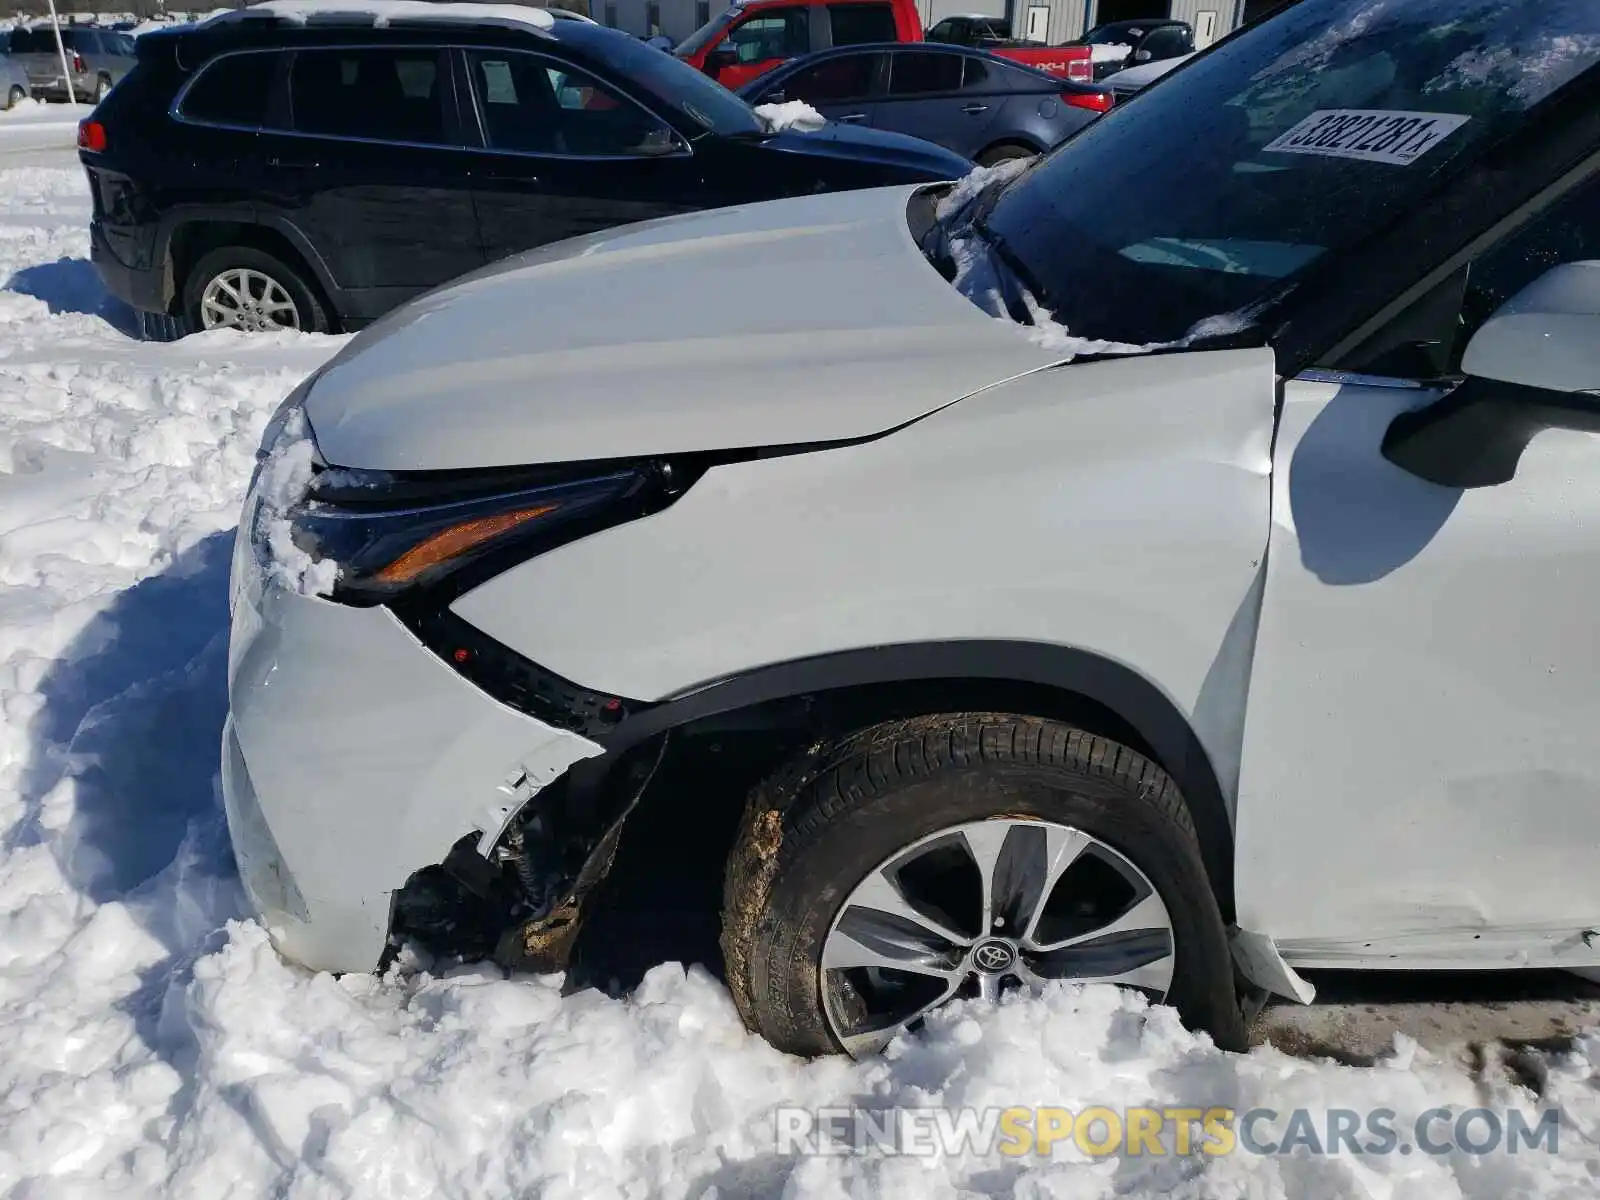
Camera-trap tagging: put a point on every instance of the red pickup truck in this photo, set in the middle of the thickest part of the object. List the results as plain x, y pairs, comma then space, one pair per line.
751, 37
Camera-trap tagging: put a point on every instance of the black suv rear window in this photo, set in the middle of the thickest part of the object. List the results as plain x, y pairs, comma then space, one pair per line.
858, 24
232, 90
386, 95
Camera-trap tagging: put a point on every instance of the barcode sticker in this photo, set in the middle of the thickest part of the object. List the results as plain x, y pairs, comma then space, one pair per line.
1382, 136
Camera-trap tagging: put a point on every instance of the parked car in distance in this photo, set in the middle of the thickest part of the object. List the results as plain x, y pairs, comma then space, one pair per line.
1127, 84
751, 37
1170, 566
978, 31
263, 170
98, 59
982, 107
1119, 44
14, 87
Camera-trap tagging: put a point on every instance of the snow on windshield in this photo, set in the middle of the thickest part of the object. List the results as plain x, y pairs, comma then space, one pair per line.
1527, 73
1524, 51
792, 115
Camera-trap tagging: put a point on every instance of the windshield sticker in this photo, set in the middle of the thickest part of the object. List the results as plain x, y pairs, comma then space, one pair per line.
1371, 136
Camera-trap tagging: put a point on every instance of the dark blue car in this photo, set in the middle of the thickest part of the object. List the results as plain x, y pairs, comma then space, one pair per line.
982, 107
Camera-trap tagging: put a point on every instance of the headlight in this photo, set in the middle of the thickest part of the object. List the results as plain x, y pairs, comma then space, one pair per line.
389, 533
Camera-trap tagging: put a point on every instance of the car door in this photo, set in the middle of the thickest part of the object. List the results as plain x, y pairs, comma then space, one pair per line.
924, 99
367, 168
564, 153
1421, 774
842, 87
763, 40
40, 57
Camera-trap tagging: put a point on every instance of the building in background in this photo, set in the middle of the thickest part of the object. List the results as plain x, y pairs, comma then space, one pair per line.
1048, 21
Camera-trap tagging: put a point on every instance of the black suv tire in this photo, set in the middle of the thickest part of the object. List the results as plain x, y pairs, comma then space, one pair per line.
311, 315
812, 832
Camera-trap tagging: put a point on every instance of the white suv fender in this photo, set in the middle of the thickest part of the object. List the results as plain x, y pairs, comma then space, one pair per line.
1114, 511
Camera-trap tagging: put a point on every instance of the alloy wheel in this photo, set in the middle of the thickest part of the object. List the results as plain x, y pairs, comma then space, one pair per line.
241, 298
983, 907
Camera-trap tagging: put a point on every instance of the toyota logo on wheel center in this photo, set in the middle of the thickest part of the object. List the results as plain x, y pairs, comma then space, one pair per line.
992, 957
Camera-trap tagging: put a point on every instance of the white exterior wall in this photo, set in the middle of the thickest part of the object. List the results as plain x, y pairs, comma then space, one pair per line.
1068, 19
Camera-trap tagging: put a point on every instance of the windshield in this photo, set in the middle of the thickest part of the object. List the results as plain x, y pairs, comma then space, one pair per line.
708, 34
675, 82
1107, 35
1293, 139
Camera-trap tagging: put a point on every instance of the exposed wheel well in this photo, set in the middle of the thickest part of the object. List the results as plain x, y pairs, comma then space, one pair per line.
193, 240
1010, 143
678, 836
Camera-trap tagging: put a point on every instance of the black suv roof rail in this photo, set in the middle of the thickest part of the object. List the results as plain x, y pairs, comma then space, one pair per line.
378, 14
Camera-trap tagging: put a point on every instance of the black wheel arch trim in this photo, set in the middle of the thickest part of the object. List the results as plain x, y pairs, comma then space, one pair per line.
1067, 670
227, 214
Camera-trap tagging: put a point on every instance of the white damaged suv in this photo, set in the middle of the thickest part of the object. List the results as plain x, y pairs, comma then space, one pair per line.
1172, 564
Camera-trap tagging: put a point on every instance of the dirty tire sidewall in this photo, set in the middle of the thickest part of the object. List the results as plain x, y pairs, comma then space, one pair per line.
805, 843
1000, 154
15, 97
313, 317
102, 89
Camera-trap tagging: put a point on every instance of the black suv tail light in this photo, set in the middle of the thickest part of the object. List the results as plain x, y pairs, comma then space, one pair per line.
92, 136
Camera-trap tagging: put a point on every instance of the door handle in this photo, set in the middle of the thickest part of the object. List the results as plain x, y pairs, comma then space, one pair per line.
973, 110
293, 163
851, 118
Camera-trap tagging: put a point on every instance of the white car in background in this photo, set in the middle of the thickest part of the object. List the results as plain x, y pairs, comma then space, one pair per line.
1127, 83
1172, 563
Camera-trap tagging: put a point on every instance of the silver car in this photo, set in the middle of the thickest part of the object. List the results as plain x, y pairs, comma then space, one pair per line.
97, 59
13, 81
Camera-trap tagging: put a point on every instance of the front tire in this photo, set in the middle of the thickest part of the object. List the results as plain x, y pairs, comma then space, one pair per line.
1005, 152
102, 89
15, 97
876, 882
240, 287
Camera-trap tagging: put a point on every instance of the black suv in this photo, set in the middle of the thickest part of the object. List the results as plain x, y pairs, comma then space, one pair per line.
267, 170
1147, 41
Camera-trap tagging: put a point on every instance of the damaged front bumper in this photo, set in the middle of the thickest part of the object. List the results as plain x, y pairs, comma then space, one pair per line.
353, 757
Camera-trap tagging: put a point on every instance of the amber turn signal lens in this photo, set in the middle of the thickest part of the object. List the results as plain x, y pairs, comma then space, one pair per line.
454, 542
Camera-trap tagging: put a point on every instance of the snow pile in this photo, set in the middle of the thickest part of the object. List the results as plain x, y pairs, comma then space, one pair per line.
154, 1045
281, 487
1111, 52
792, 116
974, 181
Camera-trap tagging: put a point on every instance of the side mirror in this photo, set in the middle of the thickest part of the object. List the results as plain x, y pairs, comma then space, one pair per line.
658, 142
720, 59
778, 97
1142, 56
1534, 365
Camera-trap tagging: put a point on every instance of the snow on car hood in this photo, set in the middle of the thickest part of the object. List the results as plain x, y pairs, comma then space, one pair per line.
801, 320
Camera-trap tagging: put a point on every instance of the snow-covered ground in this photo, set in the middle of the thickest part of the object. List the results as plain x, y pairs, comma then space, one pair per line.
151, 1043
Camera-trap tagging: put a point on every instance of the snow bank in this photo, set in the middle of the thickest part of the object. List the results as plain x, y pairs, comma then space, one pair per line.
154, 1045
793, 115
282, 485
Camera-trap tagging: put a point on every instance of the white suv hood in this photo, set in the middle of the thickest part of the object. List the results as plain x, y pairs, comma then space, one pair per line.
802, 320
